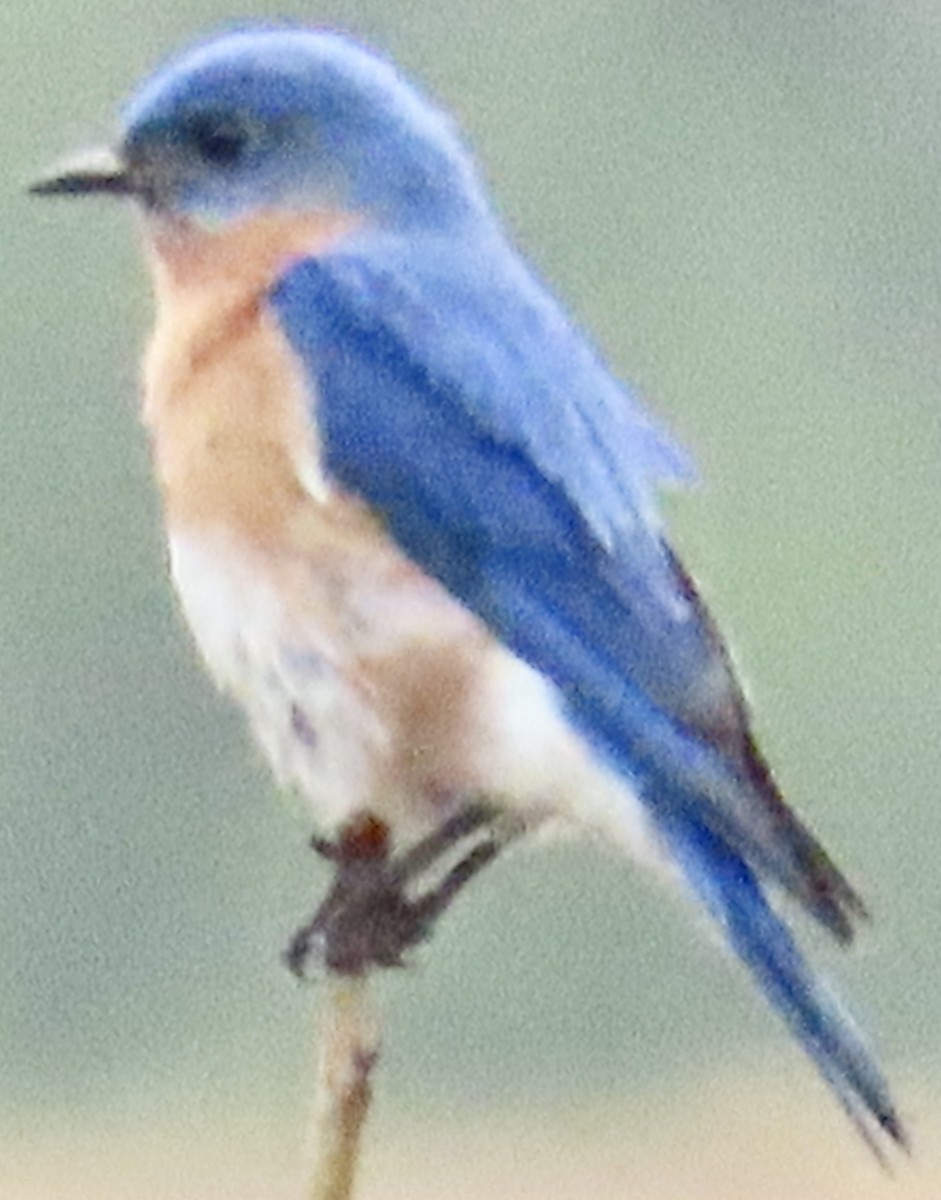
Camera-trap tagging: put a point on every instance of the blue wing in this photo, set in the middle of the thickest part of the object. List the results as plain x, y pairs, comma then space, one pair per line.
458, 401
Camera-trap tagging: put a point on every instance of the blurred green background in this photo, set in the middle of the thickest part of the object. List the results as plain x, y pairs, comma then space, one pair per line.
743, 201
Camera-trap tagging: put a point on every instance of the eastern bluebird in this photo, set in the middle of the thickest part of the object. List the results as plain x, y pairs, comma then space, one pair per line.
412, 518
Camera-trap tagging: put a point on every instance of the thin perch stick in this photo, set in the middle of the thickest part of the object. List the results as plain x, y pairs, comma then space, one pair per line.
349, 1049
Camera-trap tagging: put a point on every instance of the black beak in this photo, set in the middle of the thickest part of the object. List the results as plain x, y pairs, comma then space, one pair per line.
97, 172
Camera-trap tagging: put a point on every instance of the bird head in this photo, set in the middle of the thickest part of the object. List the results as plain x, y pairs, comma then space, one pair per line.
287, 119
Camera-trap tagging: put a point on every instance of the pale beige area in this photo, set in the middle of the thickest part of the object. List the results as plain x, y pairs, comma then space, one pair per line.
729, 1140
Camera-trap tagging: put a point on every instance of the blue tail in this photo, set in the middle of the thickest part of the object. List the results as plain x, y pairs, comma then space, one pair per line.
731, 893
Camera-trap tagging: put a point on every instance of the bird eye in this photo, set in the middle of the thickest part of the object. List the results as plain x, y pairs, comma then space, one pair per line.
219, 141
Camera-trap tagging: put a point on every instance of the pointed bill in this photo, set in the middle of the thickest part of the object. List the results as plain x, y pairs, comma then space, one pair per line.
96, 171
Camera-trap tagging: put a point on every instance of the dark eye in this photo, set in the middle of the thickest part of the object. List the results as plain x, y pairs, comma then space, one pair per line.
219, 141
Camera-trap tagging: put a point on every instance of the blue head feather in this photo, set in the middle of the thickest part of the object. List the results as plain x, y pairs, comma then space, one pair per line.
298, 119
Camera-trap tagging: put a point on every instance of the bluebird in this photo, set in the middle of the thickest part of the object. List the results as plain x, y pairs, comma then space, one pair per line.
412, 520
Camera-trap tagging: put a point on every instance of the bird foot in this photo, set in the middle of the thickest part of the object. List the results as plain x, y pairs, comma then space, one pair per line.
368, 919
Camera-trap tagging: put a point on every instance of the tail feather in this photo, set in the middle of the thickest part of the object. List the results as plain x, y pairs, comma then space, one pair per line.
733, 897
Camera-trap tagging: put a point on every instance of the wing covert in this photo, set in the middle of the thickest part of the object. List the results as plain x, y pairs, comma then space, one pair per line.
455, 399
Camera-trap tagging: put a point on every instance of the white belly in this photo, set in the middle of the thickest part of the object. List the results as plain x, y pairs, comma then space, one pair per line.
317, 729
382, 693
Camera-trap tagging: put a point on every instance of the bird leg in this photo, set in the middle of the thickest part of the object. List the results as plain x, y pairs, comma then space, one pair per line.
368, 919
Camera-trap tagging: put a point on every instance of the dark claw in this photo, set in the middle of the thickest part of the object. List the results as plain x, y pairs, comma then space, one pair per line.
430, 906
367, 919
324, 847
426, 852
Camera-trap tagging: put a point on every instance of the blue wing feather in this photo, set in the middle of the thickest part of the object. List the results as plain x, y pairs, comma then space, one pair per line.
456, 400
454, 397
568, 453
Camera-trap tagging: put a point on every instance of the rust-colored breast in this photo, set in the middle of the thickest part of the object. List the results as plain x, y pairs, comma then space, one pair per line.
356, 670
230, 416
